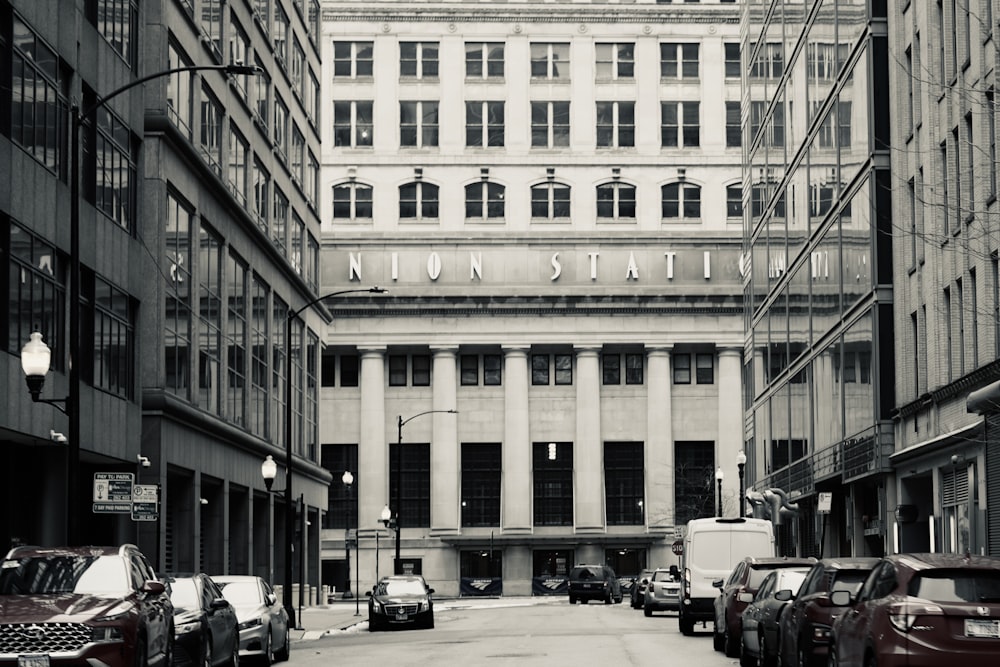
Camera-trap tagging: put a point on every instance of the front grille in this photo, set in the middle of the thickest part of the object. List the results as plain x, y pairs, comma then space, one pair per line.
401, 609
22, 638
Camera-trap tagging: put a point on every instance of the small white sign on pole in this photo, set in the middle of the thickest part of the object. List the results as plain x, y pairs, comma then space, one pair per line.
824, 502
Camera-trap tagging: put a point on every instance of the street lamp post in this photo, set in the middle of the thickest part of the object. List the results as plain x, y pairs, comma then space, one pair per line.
348, 480
74, 523
386, 518
719, 475
286, 588
741, 462
397, 566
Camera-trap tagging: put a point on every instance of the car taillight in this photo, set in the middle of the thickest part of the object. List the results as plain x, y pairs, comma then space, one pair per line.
821, 634
687, 583
903, 615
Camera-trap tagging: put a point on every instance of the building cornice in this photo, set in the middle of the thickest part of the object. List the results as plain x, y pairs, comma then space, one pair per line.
546, 13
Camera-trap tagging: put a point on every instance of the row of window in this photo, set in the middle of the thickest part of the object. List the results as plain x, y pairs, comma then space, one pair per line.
546, 369
550, 61
481, 468
549, 201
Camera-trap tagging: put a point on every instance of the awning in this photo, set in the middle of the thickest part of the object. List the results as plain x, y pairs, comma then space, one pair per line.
936, 443
984, 401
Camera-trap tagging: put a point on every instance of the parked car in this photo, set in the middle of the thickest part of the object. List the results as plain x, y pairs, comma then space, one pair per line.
206, 631
712, 547
594, 582
263, 622
663, 593
921, 609
759, 640
400, 601
746, 577
805, 623
636, 594
80, 605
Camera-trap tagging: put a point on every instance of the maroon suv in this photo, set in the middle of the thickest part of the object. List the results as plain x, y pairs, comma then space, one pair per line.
921, 610
746, 577
83, 605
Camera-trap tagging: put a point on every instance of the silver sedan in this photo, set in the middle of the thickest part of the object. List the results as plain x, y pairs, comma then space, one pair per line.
263, 622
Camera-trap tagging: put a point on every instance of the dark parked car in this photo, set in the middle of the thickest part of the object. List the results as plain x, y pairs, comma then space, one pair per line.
921, 610
594, 582
206, 631
806, 621
80, 605
636, 594
746, 577
400, 601
759, 642
263, 622
663, 593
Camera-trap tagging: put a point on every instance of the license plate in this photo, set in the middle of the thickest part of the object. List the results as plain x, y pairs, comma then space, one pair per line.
32, 661
401, 616
975, 627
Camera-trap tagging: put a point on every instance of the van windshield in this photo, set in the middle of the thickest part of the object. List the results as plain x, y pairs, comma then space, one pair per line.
720, 550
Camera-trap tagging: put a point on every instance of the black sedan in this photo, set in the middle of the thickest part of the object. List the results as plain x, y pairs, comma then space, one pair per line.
759, 644
205, 625
400, 601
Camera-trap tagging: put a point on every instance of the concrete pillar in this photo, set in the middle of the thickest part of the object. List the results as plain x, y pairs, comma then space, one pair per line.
730, 426
588, 455
659, 450
516, 496
373, 448
445, 449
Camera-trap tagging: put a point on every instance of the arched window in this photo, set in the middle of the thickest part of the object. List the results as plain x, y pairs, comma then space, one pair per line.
550, 200
418, 200
484, 200
681, 200
615, 200
352, 201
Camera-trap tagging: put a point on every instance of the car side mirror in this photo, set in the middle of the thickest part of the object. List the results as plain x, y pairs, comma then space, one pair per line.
270, 598
368, 594
745, 597
220, 603
430, 591
784, 595
717, 583
840, 598
645, 581
153, 587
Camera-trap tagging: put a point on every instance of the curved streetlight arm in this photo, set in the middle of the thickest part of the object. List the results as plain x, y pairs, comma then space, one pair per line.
371, 290
404, 422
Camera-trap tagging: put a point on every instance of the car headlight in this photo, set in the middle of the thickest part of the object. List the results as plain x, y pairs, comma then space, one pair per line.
185, 628
252, 623
122, 608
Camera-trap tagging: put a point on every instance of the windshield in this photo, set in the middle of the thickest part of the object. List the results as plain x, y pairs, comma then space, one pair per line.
662, 575
586, 573
956, 586
183, 593
240, 592
849, 580
46, 575
401, 587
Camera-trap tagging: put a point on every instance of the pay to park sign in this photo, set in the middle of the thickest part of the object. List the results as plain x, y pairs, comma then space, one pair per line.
117, 493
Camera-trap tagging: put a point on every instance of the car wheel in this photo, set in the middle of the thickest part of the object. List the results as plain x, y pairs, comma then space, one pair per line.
745, 659
286, 648
831, 656
234, 658
730, 644
686, 626
267, 652
572, 600
871, 660
647, 610
140, 652
430, 621
718, 639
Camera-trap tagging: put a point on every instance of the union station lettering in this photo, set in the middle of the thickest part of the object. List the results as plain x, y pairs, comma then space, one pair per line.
624, 265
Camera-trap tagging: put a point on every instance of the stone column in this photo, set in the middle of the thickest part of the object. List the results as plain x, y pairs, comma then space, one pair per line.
516, 495
588, 454
445, 449
659, 451
373, 447
730, 426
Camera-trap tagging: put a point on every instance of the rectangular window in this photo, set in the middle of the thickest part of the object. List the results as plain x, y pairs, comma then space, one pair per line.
410, 464
540, 369
261, 194
634, 368
239, 150
397, 370
549, 124
694, 467
974, 318
210, 263
349, 370
421, 370
769, 63
492, 370
418, 60
279, 315
352, 124
484, 60
418, 124
732, 50
115, 171
470, 369
481, 468
342, 504
239, 53
678, 61
177, 319
112, 362
552, 483
280, 128
37, 291
179, 91
679, 124
705, 368
615, 61
682, 369
259, 321
624, 483
733, 125
353, 60
550, 61
211, 130
563, 368
280, 36
235, 337
734, 201
117, 22
484, 124
991, 136
211, 25
611, 368
615, 124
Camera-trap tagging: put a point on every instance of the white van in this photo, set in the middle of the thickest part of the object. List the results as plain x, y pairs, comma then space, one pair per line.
712, 548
